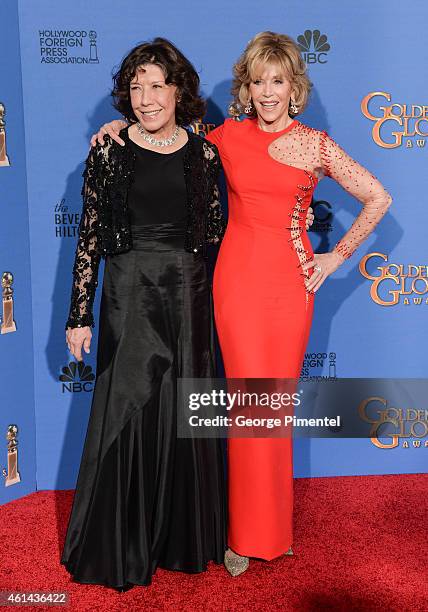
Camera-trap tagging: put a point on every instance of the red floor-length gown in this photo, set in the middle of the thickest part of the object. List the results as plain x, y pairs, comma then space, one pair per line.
263, 311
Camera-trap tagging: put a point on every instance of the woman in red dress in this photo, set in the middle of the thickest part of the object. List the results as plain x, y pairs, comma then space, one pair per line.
266, 274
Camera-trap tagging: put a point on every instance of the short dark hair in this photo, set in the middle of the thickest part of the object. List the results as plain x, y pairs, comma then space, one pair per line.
178, 71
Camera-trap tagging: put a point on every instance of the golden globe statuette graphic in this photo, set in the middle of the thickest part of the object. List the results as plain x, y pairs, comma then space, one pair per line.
93, 51
12, 474
4, 160
8, 324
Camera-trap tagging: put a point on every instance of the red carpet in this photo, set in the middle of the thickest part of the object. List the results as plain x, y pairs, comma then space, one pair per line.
360, 544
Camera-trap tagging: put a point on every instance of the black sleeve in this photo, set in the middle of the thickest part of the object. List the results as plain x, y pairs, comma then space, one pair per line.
216, 224
87, 256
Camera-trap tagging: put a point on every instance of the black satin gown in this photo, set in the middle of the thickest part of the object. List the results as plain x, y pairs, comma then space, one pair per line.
144, 497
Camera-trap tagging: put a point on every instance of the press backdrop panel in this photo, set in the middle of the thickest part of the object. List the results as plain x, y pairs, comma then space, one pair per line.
68, 52
16, 348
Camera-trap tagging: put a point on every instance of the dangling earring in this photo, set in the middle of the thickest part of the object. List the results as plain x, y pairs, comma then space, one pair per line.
248, 108
234, 112
294, 109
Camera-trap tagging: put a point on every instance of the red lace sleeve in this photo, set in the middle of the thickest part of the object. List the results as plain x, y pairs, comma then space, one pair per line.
360, 183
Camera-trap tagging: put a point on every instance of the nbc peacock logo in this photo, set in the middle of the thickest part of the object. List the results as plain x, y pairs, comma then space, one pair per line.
314, 46
77, 377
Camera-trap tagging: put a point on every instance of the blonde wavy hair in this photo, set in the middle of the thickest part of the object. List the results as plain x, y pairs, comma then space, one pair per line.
275, 48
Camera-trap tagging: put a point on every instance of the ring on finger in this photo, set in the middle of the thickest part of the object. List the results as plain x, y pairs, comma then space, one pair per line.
318, 268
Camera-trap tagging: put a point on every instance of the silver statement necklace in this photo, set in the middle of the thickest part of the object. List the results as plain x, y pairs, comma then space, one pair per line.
164, 142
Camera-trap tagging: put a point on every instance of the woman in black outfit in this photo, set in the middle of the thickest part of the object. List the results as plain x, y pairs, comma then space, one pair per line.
145, 498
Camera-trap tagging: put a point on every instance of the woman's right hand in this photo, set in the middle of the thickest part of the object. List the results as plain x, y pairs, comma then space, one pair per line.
77, 337
112, 129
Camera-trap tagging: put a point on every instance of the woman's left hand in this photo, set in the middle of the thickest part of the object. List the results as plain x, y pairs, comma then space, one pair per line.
324, 264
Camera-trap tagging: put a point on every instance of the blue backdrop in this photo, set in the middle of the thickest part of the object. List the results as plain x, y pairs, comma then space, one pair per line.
16, 348
68, 51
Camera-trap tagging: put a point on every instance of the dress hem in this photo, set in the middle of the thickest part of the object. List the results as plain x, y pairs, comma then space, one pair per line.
148, 582
253, 555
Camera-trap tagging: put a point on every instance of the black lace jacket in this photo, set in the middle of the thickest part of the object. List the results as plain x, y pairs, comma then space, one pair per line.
104, 226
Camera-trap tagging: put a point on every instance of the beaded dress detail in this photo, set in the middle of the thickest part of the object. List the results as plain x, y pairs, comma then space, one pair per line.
317, 153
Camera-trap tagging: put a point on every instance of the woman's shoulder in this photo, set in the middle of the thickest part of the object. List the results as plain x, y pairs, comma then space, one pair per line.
110, 160
310, 131
226, 132
232, 125
203, 144
110, 147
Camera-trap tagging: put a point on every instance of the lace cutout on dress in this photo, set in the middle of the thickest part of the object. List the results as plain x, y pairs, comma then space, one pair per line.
297, 226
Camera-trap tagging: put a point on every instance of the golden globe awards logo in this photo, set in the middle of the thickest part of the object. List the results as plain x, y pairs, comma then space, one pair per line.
314, 46
394, 424
394, 283
201, 128
395, 124
68, 47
